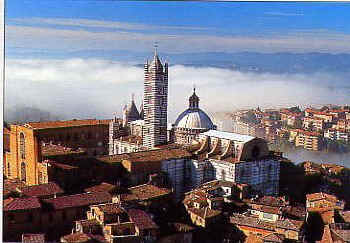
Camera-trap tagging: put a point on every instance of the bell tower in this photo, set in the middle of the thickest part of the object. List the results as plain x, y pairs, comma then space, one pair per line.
155, 102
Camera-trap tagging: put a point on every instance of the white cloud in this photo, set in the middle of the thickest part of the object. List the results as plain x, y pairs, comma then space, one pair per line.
80, 88
84, 39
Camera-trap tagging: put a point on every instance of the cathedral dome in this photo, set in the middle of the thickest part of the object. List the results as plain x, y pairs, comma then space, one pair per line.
194, 119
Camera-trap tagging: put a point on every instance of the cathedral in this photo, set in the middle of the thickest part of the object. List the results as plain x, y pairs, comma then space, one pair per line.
149, 127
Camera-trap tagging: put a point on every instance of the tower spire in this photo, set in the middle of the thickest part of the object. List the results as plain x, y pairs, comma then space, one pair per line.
155, 48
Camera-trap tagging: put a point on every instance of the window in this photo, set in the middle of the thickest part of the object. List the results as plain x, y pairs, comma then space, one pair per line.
40, 178
23, 172
8, 169
267, 216
22, 146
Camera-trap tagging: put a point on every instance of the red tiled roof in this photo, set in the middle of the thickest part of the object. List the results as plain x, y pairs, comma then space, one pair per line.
141, 219
274, 237
54, 149
110, 208
13, 204
320, 196
79, 200
62, 166
76, 238
103, 187
207, 212
346, 216
148, 156
42, 190
70, 123
268, 201
13, 184
148, 191
33, 238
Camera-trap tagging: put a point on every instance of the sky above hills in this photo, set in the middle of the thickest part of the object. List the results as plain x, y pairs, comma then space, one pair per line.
78, 58
55, 26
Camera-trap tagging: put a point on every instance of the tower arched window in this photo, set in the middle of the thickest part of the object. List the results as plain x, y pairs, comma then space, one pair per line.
22, 146
23, 172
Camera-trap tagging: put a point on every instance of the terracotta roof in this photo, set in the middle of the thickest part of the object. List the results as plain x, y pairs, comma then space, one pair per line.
76, 238
341, 230
253, 238
86, 223
346, 216
240, 219
148, 191
33, 238
53, 149
181, 227
42, 190
79, 200
255, 222
70, 123
268, 209
103, 187
268, 201
204, 211
274, 237
320, 196
290, 224
131, 139
327, 236
148, 156
13, 204
110, 208
13, 184
62, 166
141, 219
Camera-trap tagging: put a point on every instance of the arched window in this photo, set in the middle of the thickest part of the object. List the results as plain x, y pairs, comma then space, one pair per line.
23, 172
22, 146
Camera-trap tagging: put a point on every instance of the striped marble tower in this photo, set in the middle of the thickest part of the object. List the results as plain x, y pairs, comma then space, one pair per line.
155, 102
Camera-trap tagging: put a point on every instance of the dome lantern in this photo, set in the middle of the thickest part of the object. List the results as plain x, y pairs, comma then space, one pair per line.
194, 100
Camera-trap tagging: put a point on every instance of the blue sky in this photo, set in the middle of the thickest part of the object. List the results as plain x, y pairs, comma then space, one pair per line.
179, 26
47, 43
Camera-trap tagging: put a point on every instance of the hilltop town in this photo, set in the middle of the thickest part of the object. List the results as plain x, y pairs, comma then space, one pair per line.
139, 178
326, 128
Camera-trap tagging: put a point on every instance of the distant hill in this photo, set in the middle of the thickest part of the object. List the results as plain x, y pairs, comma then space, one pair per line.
22, 114
243, 61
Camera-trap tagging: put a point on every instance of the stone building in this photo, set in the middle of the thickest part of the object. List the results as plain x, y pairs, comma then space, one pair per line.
191, 122
237, 158
130, 113
29, 141
155, 102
